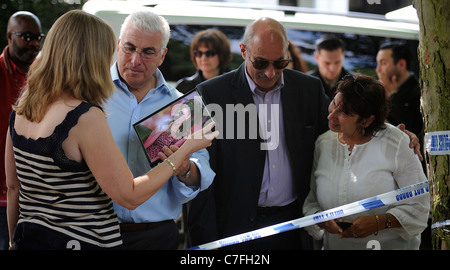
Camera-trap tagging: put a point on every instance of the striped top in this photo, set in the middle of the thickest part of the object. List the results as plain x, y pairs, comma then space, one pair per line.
61, 194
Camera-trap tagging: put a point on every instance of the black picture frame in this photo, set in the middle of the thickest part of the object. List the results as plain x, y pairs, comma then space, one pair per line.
171, 124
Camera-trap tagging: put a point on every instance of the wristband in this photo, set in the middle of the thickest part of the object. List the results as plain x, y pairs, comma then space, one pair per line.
378, 224
186, 176
172, 165
388, 221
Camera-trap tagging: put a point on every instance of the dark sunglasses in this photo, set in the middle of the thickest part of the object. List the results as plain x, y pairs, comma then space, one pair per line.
208, 54
263, 64
351, 79
28, 36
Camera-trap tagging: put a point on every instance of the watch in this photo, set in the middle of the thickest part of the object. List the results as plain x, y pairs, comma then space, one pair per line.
388, 221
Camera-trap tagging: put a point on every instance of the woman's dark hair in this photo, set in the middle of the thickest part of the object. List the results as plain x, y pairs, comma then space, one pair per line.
364, 96
216, 40
297, 60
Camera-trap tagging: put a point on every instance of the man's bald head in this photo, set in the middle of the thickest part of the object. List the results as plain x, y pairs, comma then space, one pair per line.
266, 27
22, 17
265, 51
22, 51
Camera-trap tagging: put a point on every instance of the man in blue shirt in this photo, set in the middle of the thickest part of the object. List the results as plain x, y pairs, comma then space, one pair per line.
142, 90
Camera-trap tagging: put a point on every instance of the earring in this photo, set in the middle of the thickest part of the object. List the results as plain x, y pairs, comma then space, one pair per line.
363, 132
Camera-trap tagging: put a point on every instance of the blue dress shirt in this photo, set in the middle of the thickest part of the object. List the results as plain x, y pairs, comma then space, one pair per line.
123, 110
277, 186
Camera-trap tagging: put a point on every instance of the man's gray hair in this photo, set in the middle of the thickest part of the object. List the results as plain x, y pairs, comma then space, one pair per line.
148, 21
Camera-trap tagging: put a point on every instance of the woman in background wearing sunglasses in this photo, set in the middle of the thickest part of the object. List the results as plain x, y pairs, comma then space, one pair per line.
210, 54
360, 157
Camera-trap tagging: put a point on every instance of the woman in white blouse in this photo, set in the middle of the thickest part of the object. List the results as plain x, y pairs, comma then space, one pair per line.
360, 157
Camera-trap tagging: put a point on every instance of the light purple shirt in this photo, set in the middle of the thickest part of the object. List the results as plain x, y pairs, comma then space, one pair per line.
277, 188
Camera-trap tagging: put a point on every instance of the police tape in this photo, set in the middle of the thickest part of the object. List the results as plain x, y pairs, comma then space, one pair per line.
438, 142
387, 198
440, 224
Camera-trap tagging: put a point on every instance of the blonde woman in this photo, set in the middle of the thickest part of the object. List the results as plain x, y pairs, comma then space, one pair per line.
62, 164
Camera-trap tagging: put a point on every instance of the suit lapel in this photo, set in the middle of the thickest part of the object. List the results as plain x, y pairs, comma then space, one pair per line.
240, 91
289, 105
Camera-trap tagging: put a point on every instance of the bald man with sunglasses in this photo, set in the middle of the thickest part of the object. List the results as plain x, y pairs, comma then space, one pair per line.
24, 43
255, 186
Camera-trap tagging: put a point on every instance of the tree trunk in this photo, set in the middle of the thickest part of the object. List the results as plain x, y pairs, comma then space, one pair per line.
434, 58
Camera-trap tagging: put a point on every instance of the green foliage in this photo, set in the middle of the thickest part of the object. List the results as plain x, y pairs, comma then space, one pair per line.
48, 11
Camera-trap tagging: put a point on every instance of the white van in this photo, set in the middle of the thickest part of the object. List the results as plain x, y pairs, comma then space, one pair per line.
362, 33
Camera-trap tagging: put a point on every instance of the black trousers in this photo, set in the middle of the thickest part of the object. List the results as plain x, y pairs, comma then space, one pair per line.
296, 239
30, 236
163, 236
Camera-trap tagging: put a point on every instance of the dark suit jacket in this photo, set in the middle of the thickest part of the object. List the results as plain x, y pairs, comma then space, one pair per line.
406, 107
186, 84
329, 90
229, 206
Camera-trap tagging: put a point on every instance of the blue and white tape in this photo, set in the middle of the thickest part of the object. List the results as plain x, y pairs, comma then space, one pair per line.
440, 224
438, 142
387, 198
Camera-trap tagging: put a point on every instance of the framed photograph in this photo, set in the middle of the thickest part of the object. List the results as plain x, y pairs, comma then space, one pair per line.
172, 124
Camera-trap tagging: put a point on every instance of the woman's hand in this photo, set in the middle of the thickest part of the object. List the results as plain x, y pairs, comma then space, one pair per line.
193, 143
362, 226
168, 151
330, 226
201, 139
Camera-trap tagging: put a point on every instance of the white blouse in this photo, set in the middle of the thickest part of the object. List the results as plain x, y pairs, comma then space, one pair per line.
383, 164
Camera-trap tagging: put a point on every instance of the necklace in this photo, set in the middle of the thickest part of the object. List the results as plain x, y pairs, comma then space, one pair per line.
352, 142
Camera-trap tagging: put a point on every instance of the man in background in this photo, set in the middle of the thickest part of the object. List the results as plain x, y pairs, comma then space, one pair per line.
402, 87
24, 42
329, 55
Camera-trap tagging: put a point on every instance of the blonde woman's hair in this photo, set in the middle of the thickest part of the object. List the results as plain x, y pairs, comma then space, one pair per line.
75, 61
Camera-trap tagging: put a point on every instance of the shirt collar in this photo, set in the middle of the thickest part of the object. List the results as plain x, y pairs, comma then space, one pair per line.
161, 84
12, 66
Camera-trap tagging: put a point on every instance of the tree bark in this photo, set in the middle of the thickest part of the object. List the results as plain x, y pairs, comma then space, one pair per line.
434, 58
